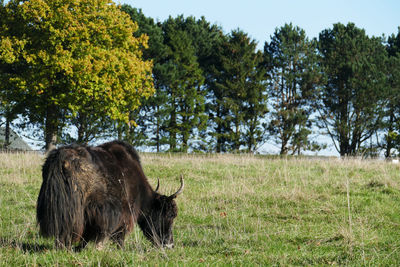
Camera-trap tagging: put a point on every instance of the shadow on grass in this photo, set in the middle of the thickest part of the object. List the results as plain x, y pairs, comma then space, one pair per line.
24, 246
192, 244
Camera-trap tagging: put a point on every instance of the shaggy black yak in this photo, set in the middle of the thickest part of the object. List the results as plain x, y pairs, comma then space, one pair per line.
97, 193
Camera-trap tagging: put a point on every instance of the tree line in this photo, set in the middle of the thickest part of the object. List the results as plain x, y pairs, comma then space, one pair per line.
184, 85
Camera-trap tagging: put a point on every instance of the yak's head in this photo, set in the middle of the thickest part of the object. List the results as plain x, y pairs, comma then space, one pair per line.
157, 224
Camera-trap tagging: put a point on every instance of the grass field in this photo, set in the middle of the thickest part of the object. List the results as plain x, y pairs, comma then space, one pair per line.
235, 210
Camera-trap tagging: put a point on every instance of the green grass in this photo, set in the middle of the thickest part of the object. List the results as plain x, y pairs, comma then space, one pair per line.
235, 210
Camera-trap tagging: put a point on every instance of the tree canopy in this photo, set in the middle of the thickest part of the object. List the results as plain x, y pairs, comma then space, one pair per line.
78, 57
391, 122
351, 99
184, 85
294, 76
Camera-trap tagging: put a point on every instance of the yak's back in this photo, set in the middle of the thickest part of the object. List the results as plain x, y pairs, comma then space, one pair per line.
121, 151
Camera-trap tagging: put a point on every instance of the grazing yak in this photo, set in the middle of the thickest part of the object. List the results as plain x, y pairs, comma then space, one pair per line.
98, 193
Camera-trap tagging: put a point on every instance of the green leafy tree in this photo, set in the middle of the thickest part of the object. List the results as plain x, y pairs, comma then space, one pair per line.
294, 75
81, 57
351, 100
9, 107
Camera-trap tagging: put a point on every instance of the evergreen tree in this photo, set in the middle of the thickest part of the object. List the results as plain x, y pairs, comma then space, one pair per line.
152, 115
205, 37
351, 100
392, 109
183, 79
180, 49
292, 63
239, 99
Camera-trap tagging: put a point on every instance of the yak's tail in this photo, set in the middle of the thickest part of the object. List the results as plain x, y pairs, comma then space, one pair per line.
59, 206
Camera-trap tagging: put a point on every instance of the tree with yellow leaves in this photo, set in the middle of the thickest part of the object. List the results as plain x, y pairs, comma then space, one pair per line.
70, 58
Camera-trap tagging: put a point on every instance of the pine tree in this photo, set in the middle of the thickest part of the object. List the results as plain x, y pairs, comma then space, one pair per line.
392, 108
239, 99
152, 115
292, 63
183, 79
351, 100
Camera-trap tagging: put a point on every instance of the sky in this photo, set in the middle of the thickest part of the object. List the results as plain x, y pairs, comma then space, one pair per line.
260, 18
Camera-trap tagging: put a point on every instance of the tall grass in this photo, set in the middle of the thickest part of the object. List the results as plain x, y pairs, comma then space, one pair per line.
235, 210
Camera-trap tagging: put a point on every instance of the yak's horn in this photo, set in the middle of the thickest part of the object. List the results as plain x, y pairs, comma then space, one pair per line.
179, 190
158, 184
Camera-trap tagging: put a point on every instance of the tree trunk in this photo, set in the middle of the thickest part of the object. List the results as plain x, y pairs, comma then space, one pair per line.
219, 132
82, 129
157, 130
7, 134
389, 145
158, 137
344, 148
251, 142
172, 130
219, 143
237, 134
344, 142
284, 140
284, 149
185, 132
51, 129
185, 140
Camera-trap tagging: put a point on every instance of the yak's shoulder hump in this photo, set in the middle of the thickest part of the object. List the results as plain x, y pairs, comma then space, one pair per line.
119, 148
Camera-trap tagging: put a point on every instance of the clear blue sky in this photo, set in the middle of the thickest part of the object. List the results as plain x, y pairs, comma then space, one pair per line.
259, 18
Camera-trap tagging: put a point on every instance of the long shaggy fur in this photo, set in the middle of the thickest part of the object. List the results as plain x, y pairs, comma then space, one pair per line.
93, 193
59, 209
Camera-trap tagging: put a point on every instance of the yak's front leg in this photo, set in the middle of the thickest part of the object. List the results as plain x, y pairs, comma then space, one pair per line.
118, 237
